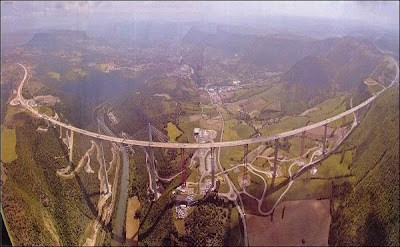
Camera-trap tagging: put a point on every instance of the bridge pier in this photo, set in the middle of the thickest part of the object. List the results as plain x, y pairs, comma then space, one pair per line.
358, 115
183, 167
152, 166
324, 139
275, 161
303, 135
246, 151
212, 168
71, 145
60, 132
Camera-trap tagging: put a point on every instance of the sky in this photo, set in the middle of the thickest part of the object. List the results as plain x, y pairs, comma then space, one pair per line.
36, 13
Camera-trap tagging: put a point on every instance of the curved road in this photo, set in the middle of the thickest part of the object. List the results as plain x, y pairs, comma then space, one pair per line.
25, 104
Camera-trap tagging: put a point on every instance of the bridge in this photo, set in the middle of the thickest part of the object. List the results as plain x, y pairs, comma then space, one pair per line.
151, 143
163, 142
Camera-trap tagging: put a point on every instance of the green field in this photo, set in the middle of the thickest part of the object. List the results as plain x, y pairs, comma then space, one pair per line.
295, 146
46, 110
8, 142
243, 130
54, 75
10, 119
75, 74
235, 234
229, 133
102, 67
173, 132
375, 88
187, 127
342, 122
285, 124
327, 109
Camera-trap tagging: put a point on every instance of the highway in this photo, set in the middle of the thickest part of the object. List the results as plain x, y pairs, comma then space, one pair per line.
25, 104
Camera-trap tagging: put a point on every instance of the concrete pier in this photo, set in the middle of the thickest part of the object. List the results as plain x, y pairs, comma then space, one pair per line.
152, 166
61, 132
275, 160
71, 145
324, 139
212, 168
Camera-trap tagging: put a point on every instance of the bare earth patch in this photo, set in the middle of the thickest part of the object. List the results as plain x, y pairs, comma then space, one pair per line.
257, 104
47, 100
305, 222
213, 124
132, 223
228, 95
275, 106
244, 181
194, 118
369, 81
318, 133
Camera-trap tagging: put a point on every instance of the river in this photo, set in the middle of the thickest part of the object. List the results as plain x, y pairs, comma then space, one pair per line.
124, 182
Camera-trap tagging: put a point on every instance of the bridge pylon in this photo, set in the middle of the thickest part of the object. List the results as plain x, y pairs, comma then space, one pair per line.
152, 166
275, 161
71, 145
212, 167
60, 132
357, 113
183, 167
246, 152
324, 139
302, 145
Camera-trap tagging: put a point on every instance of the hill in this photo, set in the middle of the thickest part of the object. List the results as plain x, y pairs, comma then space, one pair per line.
57, 40
312, 72
39, 207
347, 62
276, 52
366, 212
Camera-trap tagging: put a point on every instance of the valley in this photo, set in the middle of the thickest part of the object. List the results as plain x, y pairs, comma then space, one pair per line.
196, 134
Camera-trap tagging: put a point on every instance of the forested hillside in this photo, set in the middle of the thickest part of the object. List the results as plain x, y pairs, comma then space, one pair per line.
40, 207
366, 212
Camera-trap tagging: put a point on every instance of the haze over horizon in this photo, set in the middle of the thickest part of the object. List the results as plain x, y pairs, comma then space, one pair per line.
79, 14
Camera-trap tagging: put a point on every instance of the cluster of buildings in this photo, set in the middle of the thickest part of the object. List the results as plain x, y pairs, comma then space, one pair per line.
46, 100
269, 122
215, 97
183, 200
185, 71
110, 67
181, 211
314, 171
206, 187
112, 117
204, 135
